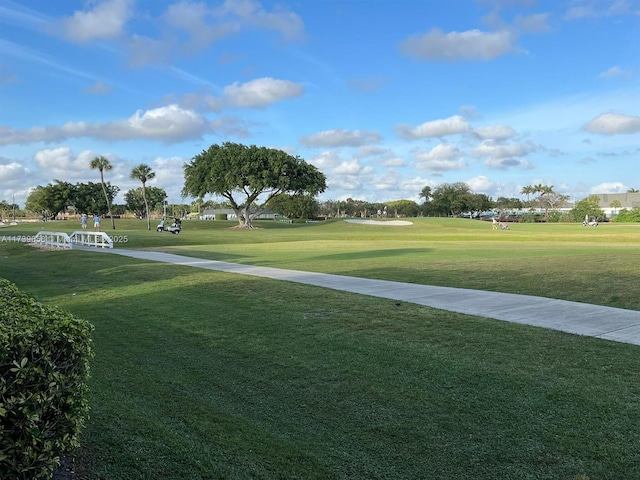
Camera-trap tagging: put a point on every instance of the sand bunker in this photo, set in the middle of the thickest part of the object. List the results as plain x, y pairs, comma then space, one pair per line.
384, 223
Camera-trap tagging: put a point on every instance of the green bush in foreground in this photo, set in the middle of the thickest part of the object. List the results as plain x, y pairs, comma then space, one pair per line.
44, 366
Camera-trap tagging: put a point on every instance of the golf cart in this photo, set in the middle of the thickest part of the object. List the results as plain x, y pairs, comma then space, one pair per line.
175, 227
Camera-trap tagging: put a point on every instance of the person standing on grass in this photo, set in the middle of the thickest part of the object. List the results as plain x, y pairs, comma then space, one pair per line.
96, 223
83, 222
495, 223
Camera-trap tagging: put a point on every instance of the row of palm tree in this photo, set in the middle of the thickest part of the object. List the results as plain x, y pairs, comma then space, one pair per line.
529, 190
142, 172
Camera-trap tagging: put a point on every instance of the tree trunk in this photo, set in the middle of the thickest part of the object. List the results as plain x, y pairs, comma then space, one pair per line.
146, 206
106, 197
244, 219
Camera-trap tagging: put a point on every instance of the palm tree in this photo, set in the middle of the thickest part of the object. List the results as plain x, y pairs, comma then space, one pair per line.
426, 193
102, 164
528, 190
143, 173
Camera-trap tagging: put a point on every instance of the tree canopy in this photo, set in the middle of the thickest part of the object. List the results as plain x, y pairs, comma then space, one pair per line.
244, 174
134, 199
456, 198
54, 198
589, 206
301, 205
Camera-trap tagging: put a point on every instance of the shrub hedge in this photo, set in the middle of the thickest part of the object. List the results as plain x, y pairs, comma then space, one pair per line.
44, 368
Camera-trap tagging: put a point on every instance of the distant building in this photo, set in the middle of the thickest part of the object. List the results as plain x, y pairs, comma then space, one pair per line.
627, 200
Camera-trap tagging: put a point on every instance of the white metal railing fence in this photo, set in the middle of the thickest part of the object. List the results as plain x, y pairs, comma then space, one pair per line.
64, 240
91, 239
53, 239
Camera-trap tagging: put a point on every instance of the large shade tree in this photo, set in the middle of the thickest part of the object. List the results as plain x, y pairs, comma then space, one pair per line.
89, 198
451, 199
103, 165
143, 173
50, 200
243, 174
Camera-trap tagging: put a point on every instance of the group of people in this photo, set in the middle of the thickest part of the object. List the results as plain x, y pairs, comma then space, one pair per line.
96, 222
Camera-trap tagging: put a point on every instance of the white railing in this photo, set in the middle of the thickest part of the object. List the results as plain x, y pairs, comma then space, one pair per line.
63, 240
91, 239
53, 239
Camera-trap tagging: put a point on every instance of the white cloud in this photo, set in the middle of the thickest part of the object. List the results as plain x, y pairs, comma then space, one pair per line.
533, 23
371, 151
325, 160
437, 128
340, 138
394, 162
352, 167
469, 112
169, 175
504, 163
260, 92
611, 187
384, 183
11, 172
166, 124
440, 158
170, 123
230, 127
504, 155
191, 18
580, 9
497, 150
350, 183
456, 46
495, 132
62, 164
106, 20
257, 93
613, 123
614, 72
190, 27
481, 184
281, 20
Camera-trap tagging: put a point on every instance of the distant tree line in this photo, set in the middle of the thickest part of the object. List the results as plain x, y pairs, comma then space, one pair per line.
242, 175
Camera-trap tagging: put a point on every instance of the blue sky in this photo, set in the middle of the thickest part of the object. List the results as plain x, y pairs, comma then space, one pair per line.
384, 97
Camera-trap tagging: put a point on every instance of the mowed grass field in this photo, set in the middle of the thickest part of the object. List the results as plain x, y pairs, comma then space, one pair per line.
203, 375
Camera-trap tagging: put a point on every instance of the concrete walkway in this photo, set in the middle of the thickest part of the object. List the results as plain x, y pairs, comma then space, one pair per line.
609, 323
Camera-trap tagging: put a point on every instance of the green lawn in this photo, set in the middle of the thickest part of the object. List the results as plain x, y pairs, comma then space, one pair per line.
203, 375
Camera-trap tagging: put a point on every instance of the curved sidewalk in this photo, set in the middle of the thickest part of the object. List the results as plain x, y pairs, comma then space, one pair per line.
609, 323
